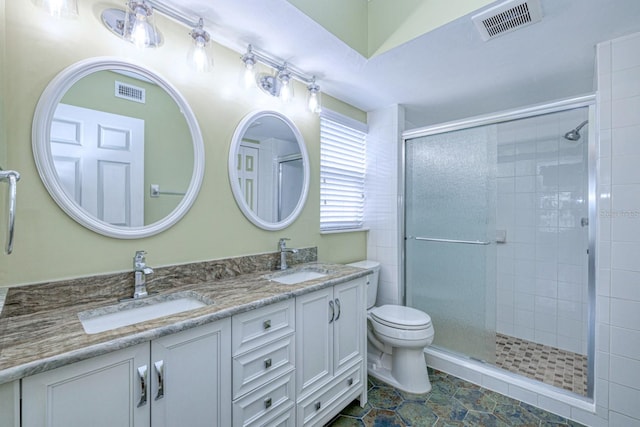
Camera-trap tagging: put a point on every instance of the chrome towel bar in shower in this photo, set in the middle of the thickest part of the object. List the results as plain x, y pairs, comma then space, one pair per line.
466, 242
12, 177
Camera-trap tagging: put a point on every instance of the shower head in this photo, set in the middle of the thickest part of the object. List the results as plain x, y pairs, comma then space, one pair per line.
574, 134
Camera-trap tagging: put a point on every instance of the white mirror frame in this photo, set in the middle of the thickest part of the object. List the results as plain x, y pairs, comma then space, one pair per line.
41, 136
242, 128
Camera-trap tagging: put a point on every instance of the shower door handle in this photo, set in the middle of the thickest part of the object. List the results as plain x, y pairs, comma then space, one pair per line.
466, 242
12, 177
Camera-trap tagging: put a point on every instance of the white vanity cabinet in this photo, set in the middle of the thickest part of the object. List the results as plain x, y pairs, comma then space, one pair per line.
330, 351
263, 365
178, 379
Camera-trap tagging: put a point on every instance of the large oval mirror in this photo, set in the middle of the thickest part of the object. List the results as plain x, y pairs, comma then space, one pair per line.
269, 169
118, 148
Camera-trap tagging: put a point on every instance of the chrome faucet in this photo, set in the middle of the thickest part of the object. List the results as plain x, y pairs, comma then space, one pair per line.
140, 270
282, 245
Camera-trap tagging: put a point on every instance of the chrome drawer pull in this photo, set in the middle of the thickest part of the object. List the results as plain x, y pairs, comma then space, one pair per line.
267, 403
267, 363
318, 405
338, 305
333, 311
159, 367
142, 376
266, 324
350, 382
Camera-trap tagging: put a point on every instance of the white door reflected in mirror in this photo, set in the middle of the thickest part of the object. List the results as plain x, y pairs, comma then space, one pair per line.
269, 169
99, 158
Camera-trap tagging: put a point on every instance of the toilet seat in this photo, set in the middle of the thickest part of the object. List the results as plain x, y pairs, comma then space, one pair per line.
401, 317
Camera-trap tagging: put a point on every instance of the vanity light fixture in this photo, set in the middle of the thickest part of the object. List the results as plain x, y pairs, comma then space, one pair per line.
59, 8
249, 60
200, 55
139, 25
280, 83
136, 25
313, 102
286, 88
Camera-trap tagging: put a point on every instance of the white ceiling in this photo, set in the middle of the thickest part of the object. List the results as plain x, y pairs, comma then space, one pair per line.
447, 74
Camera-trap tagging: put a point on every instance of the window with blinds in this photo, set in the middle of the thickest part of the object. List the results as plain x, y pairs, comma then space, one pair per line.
342, 175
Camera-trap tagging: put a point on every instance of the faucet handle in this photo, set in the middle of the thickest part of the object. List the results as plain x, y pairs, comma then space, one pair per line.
282, 243
139, 259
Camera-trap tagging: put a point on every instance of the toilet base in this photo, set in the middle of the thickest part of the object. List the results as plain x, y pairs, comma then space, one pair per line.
406, 370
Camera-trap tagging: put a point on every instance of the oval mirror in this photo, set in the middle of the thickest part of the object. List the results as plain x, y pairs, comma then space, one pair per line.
118, 148
269, 169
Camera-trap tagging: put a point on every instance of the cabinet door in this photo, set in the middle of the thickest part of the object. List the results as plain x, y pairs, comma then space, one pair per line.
349, 324
103, 391
314, 339
191, 377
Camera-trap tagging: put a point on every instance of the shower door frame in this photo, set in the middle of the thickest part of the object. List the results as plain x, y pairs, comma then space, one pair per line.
588, 101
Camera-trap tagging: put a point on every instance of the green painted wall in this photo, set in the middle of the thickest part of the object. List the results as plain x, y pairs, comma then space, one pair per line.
3, 142
394, 23
168, 157
371, 27
346, 19
51, 246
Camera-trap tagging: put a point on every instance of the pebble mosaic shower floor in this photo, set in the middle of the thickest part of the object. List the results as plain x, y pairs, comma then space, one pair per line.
451, 402
550, 365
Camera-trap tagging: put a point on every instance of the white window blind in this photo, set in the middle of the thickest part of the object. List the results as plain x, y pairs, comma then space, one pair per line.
342, 175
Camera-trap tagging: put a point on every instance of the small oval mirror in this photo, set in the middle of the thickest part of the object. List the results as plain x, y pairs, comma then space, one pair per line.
269, 169
118, 148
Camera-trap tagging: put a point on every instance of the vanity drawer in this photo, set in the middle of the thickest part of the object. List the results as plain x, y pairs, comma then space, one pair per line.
259, 366
264, 402
326, 401
257, 327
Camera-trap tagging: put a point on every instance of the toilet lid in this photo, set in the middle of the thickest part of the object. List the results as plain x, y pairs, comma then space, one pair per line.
401, 317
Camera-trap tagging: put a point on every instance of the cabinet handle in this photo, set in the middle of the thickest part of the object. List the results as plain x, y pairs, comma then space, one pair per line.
159, 366
266, 324
142, 376
338, 305
350, 382
267, 403
267, 363
318, 405
333, 311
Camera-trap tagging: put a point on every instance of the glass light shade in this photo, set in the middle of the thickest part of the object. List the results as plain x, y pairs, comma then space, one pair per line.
200, 54
314, 101
249, 72
140, 28
59, 8
286, 88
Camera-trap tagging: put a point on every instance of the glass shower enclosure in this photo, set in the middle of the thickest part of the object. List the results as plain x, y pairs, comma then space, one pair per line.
497, 237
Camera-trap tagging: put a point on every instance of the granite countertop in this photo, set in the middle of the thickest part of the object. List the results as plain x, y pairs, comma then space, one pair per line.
33, 341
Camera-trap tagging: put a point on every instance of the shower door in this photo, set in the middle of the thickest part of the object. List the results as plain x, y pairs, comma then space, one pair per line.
450, 251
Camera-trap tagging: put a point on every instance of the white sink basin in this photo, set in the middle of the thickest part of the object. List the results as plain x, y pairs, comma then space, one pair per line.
136, 311
298, 277
295, 276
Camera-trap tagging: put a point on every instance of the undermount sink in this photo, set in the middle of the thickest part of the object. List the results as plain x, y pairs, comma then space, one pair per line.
293, 277
135, 311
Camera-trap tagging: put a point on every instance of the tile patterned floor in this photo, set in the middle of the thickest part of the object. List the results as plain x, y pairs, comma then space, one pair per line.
550, 365
451, 402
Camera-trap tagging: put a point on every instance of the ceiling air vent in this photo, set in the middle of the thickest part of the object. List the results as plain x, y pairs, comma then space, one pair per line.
130, 92
507, 17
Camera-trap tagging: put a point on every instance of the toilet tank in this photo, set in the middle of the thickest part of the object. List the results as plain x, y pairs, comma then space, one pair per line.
372, 285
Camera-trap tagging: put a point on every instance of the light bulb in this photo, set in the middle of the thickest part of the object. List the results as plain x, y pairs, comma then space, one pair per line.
140, 30
286, 91
199, 54
139, 35
59, 8
314, 103
249, 76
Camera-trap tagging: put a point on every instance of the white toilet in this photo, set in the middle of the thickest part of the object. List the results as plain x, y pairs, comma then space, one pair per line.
397, 336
